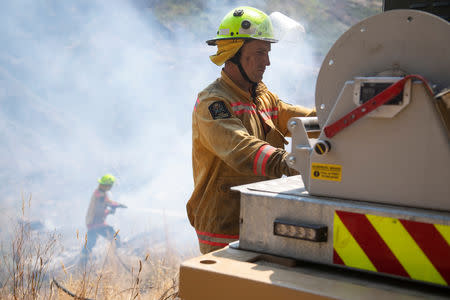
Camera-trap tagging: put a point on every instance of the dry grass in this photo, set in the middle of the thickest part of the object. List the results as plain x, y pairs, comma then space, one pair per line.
29, 270
25, 261
148, 278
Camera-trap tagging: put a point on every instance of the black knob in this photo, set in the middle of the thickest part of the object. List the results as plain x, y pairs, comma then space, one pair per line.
246, 24
322, 147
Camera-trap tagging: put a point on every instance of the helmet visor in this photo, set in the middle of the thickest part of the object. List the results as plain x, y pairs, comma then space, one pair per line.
286, 29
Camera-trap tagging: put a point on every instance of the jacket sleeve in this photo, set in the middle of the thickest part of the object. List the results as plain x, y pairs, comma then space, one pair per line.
108, 200
226, 137
287, 111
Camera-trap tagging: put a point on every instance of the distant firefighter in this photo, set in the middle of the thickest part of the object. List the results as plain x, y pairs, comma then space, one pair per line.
100, 207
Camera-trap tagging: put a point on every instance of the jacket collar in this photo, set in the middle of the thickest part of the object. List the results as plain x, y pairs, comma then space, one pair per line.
261, 88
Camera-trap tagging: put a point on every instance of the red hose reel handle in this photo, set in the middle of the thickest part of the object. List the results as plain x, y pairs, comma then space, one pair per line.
378, 100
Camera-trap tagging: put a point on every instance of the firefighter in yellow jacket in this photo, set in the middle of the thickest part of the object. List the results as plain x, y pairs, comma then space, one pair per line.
100, 206
238, 128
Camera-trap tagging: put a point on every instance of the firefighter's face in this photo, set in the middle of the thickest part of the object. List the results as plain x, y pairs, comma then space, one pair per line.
105, 187
255, 59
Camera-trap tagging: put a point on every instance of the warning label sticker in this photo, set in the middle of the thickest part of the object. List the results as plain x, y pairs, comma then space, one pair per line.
326, 172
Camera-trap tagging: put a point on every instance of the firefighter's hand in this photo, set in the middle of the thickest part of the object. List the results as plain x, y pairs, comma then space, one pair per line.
286, 170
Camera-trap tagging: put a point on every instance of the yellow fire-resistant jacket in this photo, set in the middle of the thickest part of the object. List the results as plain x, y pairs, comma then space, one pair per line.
99, 208
235, 140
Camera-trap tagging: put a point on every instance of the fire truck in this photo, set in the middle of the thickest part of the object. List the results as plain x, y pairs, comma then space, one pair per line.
369, 216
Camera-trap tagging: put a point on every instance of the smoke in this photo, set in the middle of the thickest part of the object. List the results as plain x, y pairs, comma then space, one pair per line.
95, 87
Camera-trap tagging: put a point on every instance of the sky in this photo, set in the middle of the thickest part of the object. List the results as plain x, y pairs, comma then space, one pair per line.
95, 87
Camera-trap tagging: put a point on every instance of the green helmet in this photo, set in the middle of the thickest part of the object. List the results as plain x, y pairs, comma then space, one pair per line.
245, 23
107, 179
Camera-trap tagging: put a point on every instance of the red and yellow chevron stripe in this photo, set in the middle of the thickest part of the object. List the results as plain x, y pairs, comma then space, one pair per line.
416, 250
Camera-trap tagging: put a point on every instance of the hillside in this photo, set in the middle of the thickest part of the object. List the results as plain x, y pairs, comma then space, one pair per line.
324, 20
85, 89
93, 87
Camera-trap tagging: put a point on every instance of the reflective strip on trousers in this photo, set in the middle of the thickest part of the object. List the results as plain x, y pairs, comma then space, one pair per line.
216, 239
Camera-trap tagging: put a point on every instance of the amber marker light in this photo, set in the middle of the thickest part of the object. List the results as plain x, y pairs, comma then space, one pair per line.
309, 232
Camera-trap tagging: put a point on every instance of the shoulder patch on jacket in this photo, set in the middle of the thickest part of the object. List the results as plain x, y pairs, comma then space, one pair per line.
219, 110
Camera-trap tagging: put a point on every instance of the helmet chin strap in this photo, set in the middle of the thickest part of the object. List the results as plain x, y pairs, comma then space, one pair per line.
236, 59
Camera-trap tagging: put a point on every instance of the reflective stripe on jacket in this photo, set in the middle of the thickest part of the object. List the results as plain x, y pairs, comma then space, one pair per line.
235, 140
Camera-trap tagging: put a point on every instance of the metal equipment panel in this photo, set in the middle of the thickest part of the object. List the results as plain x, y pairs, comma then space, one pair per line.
284, 201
